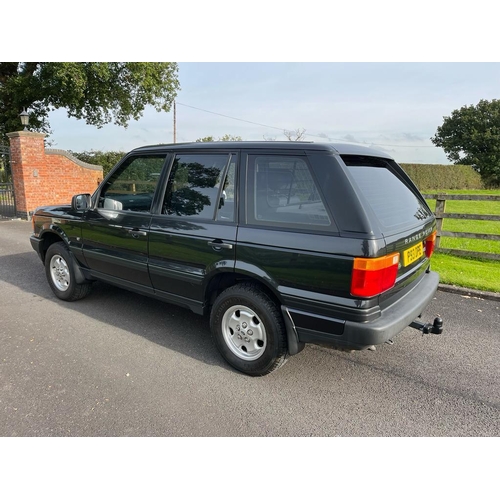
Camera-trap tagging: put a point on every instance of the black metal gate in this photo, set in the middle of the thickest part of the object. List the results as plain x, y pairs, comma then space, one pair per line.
7, 199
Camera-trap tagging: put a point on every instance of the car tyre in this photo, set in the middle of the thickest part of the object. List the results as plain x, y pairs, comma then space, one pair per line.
61, 275
248, 329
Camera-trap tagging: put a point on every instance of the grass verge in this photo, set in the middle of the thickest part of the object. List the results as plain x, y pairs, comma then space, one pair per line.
469, 273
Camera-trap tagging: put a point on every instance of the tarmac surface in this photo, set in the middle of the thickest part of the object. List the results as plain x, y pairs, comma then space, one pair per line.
119, 364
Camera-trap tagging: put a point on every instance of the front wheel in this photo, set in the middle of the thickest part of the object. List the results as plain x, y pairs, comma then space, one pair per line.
248, 330
61, 276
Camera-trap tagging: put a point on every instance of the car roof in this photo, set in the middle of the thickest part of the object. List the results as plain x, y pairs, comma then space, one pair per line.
336, 148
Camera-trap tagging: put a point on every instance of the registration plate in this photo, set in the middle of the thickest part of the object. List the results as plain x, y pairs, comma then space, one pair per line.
413, 253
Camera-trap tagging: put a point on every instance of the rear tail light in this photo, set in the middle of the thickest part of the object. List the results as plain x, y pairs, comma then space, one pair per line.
371, 277
430, 244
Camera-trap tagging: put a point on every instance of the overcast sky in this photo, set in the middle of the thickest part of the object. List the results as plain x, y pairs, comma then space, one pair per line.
396, 107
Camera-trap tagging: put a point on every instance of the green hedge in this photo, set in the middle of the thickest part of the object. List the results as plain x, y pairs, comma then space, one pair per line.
428, 177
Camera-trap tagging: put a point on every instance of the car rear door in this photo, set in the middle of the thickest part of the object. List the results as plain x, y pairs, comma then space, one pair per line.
193, 236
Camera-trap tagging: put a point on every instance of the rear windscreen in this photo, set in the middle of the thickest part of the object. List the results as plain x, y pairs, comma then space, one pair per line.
394, 203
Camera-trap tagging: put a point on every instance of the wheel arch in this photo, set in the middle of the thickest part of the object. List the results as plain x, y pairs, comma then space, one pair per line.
49, 237
222, 281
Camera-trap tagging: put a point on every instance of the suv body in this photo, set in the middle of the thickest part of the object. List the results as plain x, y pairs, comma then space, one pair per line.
282, 243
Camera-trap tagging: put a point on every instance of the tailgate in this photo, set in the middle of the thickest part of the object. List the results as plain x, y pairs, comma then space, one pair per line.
398, 212
413, 247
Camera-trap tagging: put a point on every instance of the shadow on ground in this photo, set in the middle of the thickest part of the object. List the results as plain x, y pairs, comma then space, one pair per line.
167, 325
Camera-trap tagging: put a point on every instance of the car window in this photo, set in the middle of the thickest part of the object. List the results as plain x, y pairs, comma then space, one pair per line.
199, 186
395, 205
283, 192
132, 186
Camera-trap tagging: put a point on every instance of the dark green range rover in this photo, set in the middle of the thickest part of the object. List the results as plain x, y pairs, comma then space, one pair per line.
281, 243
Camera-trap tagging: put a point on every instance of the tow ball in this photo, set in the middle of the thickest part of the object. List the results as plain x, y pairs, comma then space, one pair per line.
435, 327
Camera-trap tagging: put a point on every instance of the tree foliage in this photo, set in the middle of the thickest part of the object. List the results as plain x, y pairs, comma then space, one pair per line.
106, 159
5, 173
97, 92
224, 138
471, 136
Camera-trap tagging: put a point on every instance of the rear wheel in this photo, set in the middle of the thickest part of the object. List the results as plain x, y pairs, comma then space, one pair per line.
61, 276
248, 329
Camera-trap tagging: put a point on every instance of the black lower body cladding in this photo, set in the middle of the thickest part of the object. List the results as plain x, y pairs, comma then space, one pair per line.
391, 320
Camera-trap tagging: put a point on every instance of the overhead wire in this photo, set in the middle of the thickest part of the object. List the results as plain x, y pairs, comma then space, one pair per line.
324, 137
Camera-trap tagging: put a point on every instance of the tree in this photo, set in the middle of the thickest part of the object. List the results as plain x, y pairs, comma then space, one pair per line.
471, 136
224, 138
295, 135
4, 171
97, 92
106, 159
208, 138
291, 135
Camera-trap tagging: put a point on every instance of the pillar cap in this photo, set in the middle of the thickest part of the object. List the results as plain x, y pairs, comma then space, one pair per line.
25, 133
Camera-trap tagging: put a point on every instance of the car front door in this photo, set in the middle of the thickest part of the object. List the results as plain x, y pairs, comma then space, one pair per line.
115, 233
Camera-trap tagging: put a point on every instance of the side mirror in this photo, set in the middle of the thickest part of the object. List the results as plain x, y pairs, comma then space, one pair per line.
81, 202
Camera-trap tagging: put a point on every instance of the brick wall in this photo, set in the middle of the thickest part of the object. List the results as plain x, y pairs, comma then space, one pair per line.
46, 176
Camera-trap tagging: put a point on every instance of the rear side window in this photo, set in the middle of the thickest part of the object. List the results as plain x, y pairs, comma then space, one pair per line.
282, 192
394, 203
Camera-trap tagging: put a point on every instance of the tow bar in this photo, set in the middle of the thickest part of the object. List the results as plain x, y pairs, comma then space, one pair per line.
436, 327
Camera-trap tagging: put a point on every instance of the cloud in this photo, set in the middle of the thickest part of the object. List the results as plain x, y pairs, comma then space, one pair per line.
350, 138
412, 137
381, 148
400, 137
324, 136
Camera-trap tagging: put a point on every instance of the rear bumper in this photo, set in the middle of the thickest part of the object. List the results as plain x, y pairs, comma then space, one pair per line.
392, 320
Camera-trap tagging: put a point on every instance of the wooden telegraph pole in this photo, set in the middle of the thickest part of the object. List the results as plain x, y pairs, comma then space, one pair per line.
175, 123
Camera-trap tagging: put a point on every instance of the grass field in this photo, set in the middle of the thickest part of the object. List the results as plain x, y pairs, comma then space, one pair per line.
470, 273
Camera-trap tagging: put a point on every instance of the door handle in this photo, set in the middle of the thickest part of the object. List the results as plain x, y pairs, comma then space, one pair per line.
218, 245
135, 232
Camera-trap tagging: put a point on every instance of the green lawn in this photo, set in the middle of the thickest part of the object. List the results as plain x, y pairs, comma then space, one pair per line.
469, 207
470, 273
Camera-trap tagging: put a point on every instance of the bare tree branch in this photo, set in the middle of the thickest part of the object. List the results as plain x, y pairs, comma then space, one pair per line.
295, 135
